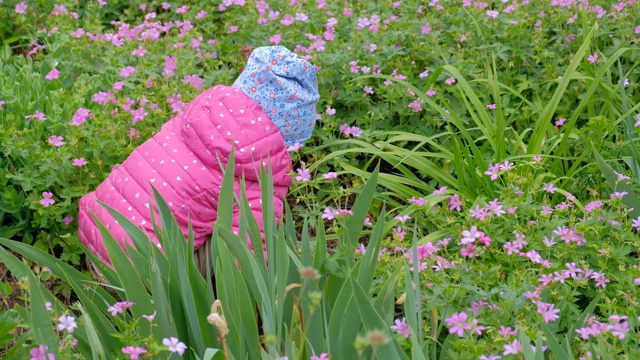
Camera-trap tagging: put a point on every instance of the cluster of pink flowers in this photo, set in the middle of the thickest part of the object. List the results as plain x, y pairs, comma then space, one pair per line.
494, 170
330, 214
350, 130
618, 326
81, 116
460, 323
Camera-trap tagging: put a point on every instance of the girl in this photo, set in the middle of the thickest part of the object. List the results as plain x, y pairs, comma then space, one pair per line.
270, 107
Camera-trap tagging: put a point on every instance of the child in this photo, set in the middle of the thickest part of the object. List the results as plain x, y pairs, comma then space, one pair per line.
269, 107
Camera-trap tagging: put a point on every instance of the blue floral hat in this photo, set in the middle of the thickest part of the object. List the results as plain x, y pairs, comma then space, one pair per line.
287, 89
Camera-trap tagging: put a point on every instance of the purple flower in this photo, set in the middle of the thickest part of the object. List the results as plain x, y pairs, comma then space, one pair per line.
38, 115
275, 39
56, 140
80, 117
119, 308
194, 80
127, 71
331, 111
133, 351
491, 106
401, 327
454, 202
67, 323
513, 348
303, 175
593, 205
53, 74
40, 352
47, 199
549, 188
492, 13
458, 323
79, 162
426, 29
21, 9
548, 311
67, 220
593, 58
399, 233
174, 345
150, 317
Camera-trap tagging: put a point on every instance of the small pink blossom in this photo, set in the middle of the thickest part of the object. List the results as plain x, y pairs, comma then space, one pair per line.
53, 74
330, 175
79, 162
401, 327
425, 29
303, 175
127, 71
133, 351
67, 220
38, 115
56, 140
21, 8
47, 199
275, 39
119, 307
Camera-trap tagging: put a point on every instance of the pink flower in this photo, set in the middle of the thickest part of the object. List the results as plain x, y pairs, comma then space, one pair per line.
450, 81
182, 9
133, 351
401, 327
560, 122
548, 311
275, 39
303, 175
133, 133
295, 147
53, 74
150, 317
491, 106
331, 111
40, 352
80, 117
425, 29
593, 58
79, 162
127, 71
38, 115
399, 233
492, 13
67, 323
194, 80
232, 29
21, 9
330, 175
174, 345
103, 98
1, 103
431, 92
201, 14
47, 199
548, 187
56, 140
67, 220
140, 51
458, 323
513, 348
119, 307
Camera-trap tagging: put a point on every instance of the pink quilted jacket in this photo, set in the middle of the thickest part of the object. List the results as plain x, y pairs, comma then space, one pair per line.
181, 162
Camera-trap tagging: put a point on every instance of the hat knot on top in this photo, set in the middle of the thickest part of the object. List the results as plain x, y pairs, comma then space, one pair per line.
286, 88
